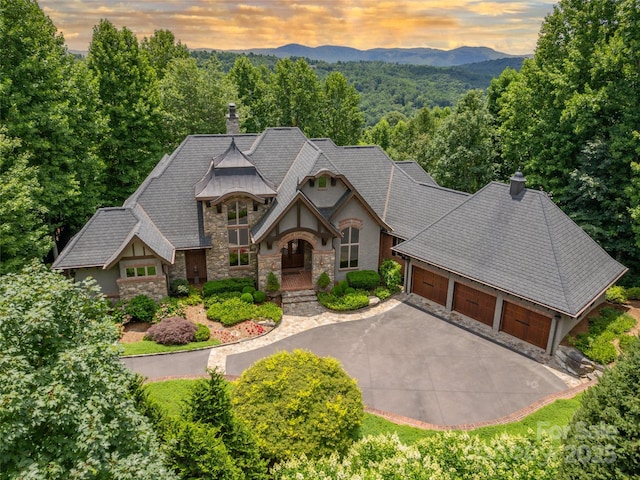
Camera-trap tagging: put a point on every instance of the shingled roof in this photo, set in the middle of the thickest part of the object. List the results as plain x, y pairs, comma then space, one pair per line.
524, 245
415, 171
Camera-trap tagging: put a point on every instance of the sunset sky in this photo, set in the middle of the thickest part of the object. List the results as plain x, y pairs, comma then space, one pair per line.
506, 25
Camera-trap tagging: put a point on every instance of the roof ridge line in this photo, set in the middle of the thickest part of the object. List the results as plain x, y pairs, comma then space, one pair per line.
386, 200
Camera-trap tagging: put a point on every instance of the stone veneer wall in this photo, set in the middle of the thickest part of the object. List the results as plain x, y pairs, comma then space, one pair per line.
322, 261
215, 225
154, 287
179, 267
271, 262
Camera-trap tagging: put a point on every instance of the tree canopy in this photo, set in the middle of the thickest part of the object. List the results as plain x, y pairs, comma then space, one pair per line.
67, 407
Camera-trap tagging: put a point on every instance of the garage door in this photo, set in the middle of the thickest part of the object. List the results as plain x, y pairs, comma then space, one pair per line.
474, 303
430, 285
526, 324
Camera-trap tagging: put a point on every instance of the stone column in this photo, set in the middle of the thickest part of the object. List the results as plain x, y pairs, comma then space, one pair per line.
269, 262
322, 261
179, 267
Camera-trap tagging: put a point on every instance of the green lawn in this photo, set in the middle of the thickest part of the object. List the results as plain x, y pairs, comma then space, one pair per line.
148, 346
550, 418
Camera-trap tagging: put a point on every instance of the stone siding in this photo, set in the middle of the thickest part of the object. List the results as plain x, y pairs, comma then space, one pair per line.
153, 287
179, 267
269, 263
322, 261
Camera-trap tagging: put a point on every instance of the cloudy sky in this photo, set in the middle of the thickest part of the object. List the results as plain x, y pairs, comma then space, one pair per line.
506, 25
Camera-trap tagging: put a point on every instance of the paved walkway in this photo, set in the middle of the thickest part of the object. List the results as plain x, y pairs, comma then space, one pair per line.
409, 362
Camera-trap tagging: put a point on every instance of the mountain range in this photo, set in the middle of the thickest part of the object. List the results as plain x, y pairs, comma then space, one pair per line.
413, 56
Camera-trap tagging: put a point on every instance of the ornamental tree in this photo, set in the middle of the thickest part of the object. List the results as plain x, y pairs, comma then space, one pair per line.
68, 408
297, 403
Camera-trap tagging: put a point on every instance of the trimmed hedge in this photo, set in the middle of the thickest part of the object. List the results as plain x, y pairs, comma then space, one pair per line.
227, 285
234, 311
259, 296
352, 301
202, 333
364, 279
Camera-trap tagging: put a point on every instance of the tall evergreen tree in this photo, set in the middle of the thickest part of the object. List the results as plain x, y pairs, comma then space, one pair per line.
130, 98
573, 110
49, 101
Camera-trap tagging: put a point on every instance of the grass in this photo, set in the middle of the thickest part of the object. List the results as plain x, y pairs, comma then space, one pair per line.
170, 394
147, 346
550, 419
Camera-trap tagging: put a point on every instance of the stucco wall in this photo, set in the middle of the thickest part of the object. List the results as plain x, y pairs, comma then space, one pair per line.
324, 197
105, 278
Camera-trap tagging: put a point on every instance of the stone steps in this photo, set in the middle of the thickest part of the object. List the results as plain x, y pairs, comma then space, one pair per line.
301, 303
299, 296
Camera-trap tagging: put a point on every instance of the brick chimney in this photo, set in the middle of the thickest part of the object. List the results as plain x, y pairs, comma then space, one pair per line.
233, 121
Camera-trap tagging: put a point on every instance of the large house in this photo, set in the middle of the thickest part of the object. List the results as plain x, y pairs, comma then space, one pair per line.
246, 205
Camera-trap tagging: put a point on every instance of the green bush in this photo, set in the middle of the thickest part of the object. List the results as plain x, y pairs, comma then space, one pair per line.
246, 297
233, 311
364, 279
202, 333
616, 294
272, 283
179, 288
299, 404
249, 289
323, 281
168, 307
220, 297
259, 296
597, 343
382, 293
227, 285
352, 301
349, 291
626, 341
633, 293
141, 308
391, 273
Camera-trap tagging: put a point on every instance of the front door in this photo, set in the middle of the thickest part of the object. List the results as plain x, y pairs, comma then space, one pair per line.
196, 264
293, 254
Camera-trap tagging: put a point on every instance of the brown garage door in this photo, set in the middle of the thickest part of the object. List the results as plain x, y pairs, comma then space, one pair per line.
474, 303
430, 285
526, 324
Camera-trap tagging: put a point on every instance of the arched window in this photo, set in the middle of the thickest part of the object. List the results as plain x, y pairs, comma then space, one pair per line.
349, 247
238, 228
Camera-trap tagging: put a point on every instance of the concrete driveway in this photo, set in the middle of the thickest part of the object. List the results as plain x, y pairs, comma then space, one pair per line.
413, 364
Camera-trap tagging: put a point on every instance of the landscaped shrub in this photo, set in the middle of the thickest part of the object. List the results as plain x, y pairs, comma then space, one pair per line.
633, 293
382, 293
352, 301
172, 331
626, 341
597, 343
141, 308
323, 281
269, 311
364, 279
220, 297
616, 294
249, 289
179, 288
227, 285
246, 297
391, 273
298, 403
259, 296
231, 312
272, 283
168, 307
349, 290
202, 333
340, 288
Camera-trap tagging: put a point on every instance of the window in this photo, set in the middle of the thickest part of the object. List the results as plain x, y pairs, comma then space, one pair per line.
349, 247
322, 182
140, 271
394, 243
238, 230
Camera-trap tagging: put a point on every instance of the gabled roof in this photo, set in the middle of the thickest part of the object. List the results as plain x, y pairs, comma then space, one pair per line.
101, 241
523, 245
415, 171
231, 173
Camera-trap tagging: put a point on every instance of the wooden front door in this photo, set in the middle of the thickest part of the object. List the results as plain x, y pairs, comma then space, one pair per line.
430, 285
525, 324
196, 264
293, 254
473, 303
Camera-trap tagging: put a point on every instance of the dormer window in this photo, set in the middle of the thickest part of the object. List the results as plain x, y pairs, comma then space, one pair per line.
322, 182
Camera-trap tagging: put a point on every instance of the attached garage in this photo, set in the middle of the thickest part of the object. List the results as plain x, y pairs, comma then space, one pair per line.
430, 285
474, 303
525, 324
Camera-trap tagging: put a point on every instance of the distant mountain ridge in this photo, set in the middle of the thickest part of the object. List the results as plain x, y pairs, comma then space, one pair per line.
413, 56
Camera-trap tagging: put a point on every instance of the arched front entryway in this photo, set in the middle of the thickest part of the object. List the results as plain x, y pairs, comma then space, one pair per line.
296, 265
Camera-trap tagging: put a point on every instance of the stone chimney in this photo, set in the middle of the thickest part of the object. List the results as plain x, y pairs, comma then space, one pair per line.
517, 184
233, 121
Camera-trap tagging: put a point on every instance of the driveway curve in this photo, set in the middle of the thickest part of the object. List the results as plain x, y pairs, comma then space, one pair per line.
410, 363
